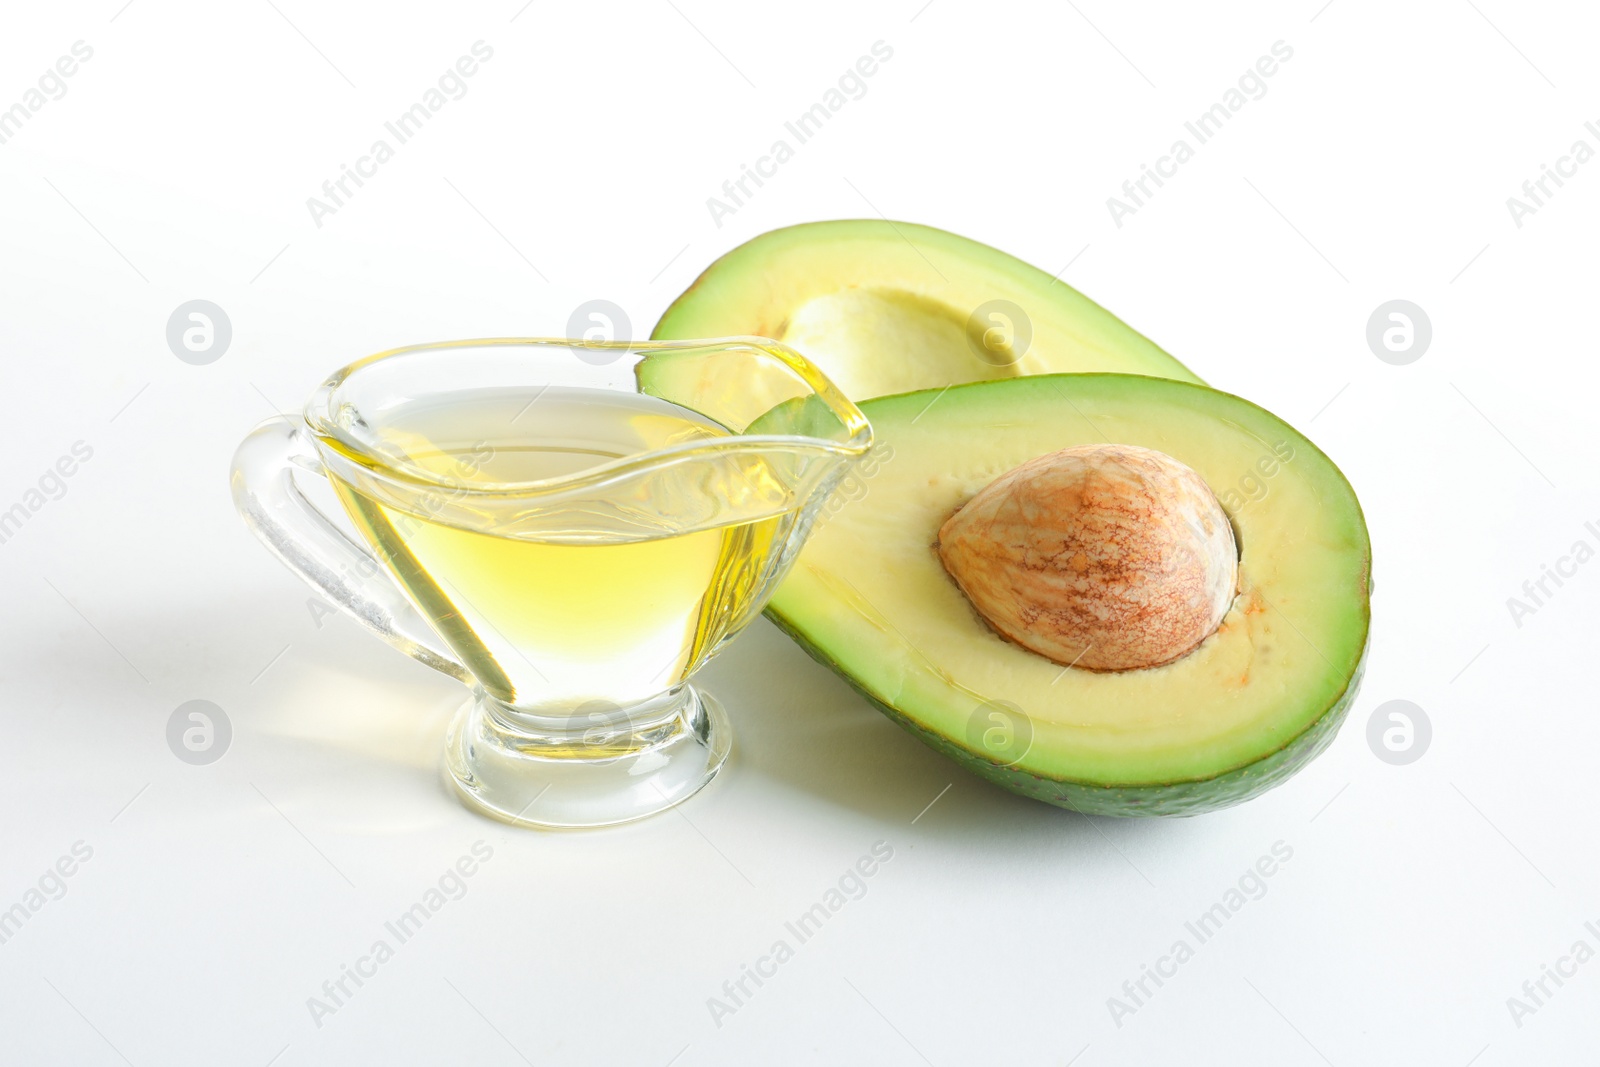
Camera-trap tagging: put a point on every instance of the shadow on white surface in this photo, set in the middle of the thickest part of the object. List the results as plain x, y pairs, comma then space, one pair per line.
802, 727
339, 724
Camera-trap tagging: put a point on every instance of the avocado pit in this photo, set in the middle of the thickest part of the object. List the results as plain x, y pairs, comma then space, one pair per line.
1105, 557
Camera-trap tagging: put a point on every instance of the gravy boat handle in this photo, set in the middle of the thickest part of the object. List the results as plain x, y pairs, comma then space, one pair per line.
309, 544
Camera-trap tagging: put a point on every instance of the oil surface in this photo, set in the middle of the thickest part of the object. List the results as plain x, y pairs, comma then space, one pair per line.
611, 598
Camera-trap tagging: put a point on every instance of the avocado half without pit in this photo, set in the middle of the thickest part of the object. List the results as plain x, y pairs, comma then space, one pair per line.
891, 307
1124, 594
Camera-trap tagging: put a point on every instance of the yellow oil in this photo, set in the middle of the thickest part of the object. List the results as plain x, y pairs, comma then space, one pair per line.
603, 599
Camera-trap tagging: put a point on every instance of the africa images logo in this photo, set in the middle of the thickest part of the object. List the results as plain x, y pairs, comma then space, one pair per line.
805, 126
451, 85
1251, 85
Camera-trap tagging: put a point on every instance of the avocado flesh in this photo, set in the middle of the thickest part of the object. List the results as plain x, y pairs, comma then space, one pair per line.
886, 307
1246, 709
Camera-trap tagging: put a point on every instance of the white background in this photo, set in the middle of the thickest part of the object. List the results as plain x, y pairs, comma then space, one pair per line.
219, 898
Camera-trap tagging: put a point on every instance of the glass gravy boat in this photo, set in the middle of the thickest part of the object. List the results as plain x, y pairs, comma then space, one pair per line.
569, 528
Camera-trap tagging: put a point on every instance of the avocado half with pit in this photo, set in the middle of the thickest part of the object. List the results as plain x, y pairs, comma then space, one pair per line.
1112, 592
942, 588
890, 307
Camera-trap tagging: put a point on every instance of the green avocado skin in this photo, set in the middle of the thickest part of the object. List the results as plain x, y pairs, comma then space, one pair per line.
1196, 797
